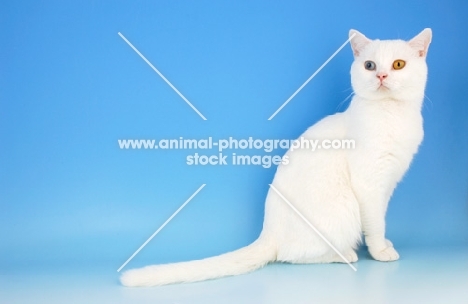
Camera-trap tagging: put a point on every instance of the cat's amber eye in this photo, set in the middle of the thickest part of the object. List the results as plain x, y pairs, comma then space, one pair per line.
369, 65
398, 64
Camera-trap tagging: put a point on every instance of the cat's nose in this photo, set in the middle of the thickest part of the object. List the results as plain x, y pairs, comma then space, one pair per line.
382, 76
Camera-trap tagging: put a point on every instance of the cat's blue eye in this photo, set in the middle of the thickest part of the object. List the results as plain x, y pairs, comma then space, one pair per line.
369, 65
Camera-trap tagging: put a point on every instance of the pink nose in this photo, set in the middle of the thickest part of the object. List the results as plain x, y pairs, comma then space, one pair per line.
382, 76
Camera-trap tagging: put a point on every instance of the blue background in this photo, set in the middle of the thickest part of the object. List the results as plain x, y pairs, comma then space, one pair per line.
70, 87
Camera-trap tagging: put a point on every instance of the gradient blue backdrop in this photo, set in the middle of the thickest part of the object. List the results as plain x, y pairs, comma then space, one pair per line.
70, 87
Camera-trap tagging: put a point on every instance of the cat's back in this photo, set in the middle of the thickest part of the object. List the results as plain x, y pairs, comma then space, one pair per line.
315, 152
331, 127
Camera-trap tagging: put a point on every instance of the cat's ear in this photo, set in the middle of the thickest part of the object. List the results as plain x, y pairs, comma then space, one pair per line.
358, 41
421, 42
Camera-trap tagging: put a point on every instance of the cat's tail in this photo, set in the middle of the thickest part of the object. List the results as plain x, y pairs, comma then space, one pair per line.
241, 261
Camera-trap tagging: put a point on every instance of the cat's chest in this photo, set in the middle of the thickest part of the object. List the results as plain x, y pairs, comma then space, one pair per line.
386, 128
385, 142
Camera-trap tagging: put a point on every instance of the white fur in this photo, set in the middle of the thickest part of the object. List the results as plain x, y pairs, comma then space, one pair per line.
343, 193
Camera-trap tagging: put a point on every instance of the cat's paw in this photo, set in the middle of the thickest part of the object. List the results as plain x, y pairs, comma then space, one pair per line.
389, 243
386, 255
351, 256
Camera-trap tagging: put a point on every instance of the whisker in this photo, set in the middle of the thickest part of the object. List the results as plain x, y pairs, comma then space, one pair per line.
346, 90
430, 102
341, 103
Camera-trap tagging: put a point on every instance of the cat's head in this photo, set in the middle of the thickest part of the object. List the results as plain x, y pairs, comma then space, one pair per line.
394, 69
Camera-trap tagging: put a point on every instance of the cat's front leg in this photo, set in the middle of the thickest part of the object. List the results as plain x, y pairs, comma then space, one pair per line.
373, 206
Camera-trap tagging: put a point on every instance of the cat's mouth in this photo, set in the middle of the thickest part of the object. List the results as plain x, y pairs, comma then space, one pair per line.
383, 87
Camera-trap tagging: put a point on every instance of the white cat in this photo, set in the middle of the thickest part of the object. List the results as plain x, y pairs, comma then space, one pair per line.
343, 193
